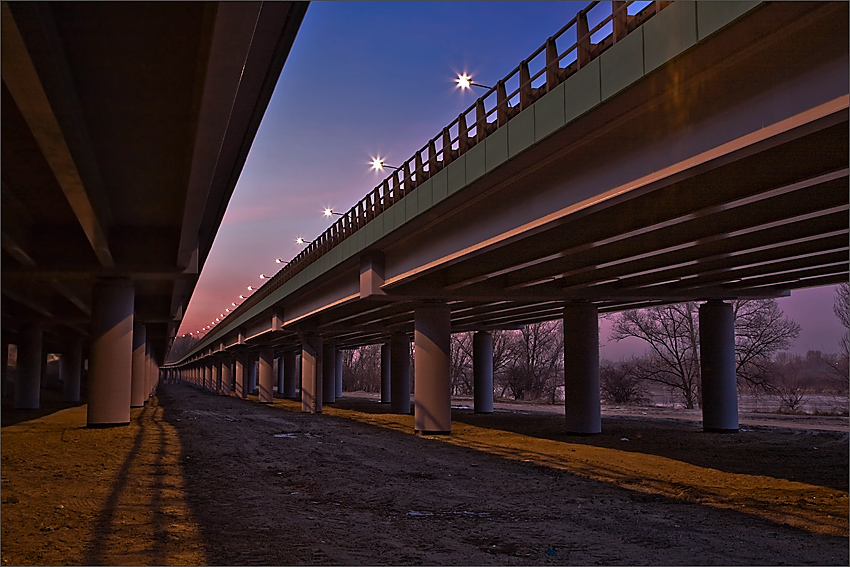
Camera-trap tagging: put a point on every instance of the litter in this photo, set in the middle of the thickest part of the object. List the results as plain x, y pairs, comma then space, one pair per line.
419, 513
624, 439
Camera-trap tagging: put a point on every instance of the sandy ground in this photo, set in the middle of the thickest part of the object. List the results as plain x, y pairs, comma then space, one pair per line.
202, 479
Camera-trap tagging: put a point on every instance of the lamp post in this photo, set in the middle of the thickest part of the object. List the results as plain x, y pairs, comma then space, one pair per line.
378, 164
465, 81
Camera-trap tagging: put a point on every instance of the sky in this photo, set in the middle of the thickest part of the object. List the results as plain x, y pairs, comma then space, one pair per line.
368, 79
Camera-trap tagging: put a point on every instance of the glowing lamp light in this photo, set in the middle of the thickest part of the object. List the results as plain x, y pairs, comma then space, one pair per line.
465, 81
241, 297
250, 288
278, 261
300, 240
330, 212
378, 164
233, 303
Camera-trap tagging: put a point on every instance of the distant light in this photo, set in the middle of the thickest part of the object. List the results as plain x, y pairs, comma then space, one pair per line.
278, 261
250, 288
463, 81
378, 164
262, 276
300, 240
241, 297
233, 303
227, 310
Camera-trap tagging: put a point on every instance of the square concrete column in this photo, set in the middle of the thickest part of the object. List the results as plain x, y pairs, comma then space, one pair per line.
255, 373
311, 374
328, 374
281, 374
266, 375
111, 360
28, 377
385, 373
73, 369
290, 375
239, 372
482, 371
215, 375
717, 367
338, 373
138, 393
582, 404
432, 386
400, 373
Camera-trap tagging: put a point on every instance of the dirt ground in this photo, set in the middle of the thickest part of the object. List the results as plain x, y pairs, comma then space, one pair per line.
202, 479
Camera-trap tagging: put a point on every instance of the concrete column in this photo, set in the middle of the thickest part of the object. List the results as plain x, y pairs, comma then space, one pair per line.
239, 371
328, 374
111, 360
255, 374
71, 386
226, 376
432, 386
290, 376
385, 373
138, 388
281, 373
400, 373
338, 373
311, 374
582, 405
28, 377
266, 375
717, 367
482, 371
215, 375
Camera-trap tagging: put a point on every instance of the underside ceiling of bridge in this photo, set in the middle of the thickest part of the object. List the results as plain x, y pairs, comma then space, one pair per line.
124, 129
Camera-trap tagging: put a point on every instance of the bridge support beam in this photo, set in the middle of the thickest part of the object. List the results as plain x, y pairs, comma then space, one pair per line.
482, 371
432, 388
239, 372
226, 375
400, 373
111, 361
71, 385
329, 374
311, 374
28, 377
266, 375
290, 377
581, 369
138, 387
385, 373
717, 366
338, 373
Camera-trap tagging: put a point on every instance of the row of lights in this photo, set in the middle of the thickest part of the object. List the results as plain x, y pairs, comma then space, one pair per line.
463, 81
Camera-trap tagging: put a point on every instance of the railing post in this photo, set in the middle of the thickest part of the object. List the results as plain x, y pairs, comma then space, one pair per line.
462, 134
408, 184
501, 104
432, 159
367, 203
396, 187
620, 19
552, 67
582, 39
420, 171
447, 147
524, 86
480, 121
385, 203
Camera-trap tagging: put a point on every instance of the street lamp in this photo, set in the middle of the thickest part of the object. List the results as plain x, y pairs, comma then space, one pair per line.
378, 164
300, 240
464, 82
330, 212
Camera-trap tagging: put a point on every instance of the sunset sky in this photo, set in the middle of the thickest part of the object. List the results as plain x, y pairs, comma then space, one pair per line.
377, 78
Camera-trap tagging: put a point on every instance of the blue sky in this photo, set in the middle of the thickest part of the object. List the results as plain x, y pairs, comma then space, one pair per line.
377, 78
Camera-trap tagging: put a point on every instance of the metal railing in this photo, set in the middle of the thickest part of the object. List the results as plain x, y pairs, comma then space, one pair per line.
489, 112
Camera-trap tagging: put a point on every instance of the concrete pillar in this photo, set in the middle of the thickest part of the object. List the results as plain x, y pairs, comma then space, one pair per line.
255, 373
311, 374
432, 362
71, 386
717, 367
482, 371
400, 373
328, 374
385, 373
28, 377
266, 375
281, 373
239, 371
338, 373
111, 360
226, 375
582, 405
138, 387
215, 375
290, 376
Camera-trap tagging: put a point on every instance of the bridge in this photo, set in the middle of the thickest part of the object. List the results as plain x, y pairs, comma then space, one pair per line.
125, 128
691, 151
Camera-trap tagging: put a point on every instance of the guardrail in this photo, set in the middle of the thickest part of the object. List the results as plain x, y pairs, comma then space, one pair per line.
466, 131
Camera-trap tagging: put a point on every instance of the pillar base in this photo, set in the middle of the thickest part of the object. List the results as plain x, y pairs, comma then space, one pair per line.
418, 432
716, 430
106, 425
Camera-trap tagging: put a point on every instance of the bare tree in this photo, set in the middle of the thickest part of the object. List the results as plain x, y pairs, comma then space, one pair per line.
761, 330
672, 334
461, 364
361, 369
536, 360
620, 382
841, 308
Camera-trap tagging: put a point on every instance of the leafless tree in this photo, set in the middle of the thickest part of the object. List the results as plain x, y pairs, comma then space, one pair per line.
534, 367
361, 369
620, 382
672, 333
461, 364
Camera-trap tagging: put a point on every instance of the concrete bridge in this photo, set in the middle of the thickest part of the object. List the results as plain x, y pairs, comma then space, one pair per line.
693, 151
125, 127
